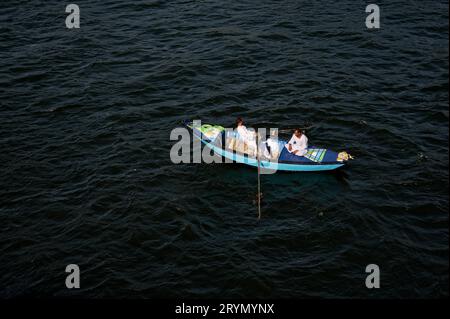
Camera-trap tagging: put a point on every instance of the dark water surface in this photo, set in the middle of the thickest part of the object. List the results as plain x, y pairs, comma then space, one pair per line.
86, 178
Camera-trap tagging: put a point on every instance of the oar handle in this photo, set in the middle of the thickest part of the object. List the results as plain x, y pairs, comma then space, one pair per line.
292, 129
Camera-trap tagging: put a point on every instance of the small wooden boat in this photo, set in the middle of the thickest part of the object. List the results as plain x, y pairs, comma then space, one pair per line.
227, 144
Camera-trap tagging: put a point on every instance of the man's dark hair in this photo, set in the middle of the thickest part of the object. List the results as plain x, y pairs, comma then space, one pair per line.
239, 120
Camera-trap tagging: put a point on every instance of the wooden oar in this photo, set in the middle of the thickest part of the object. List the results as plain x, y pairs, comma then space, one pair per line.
259, 178
290, 130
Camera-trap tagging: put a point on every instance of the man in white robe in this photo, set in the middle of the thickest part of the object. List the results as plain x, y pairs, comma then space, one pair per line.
298, 143
247, 136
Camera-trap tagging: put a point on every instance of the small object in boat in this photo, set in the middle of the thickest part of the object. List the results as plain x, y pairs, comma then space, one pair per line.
344, 156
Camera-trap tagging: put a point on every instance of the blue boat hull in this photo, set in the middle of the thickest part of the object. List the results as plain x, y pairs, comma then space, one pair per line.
238, 158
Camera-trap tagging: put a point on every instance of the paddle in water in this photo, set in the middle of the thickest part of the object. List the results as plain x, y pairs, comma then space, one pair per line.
259, 177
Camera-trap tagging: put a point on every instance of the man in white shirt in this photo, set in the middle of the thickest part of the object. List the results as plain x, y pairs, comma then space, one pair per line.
246, 136
244, 133
298, 143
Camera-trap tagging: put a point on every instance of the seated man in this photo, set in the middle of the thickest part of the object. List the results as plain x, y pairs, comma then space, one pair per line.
298, 144
246, 136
